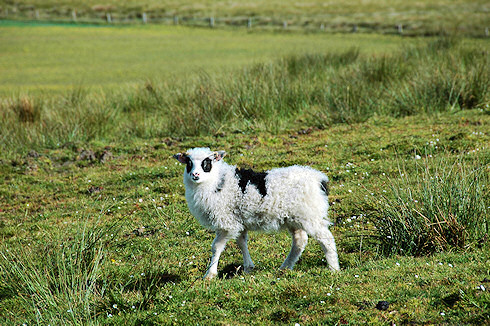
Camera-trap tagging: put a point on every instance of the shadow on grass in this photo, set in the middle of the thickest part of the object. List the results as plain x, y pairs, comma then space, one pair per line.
230, 271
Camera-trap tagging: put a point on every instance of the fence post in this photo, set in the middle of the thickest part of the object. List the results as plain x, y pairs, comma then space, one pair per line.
487, 33
399, 28
249, 22
322, 27
36, 13
74, 15
211, 22
285, 24
144, 17
176, 20
108, 17
354, 28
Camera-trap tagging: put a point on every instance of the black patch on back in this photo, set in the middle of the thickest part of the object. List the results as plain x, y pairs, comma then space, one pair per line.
324, 186
256, 178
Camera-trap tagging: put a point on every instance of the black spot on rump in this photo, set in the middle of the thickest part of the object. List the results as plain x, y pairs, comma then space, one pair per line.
324, 186
255, 178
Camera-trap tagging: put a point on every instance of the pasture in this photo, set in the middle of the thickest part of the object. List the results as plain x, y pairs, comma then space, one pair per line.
94, 226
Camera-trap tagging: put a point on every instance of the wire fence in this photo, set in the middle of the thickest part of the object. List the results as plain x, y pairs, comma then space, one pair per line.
318, 23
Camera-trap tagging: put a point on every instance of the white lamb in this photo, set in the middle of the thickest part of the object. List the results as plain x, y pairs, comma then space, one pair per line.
231, 201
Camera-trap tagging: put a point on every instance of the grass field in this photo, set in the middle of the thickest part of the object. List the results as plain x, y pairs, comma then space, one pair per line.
90, 242
94, 226
60, 58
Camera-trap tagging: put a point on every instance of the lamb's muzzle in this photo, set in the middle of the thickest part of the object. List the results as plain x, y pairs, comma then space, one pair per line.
232, 202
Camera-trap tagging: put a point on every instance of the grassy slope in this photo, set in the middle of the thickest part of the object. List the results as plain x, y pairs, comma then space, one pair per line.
34, 58
151, 275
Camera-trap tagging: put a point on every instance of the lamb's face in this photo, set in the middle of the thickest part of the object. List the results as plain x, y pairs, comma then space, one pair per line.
202, 165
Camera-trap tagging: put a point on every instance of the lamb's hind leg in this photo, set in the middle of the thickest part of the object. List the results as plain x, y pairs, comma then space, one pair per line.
248, 264
300, 239
327, 242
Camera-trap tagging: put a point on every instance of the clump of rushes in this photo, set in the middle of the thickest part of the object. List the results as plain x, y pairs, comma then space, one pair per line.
26, 109
440, 207
59, 282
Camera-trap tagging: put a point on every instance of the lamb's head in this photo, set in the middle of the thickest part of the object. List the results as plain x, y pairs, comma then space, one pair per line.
202, 165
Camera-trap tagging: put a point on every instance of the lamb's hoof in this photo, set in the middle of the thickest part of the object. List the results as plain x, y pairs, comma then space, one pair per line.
209, 276
335, 269
248, 269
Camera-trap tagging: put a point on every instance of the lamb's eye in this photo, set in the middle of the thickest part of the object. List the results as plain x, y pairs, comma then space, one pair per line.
206, 165
189, 164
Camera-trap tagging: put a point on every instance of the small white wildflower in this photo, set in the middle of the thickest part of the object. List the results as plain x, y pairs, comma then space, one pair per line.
443, 314
450, 265
356, 276
329, 294
416, 276
482, 287
114, 306
109, 315
397, 264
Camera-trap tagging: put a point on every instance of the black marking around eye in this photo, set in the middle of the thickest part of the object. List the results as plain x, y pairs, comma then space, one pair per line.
206, 165
257, 179
189, 164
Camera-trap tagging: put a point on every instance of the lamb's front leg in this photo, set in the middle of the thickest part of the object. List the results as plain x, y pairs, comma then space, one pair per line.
217, 248
248, 264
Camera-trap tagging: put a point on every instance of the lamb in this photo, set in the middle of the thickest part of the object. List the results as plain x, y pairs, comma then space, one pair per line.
233, 201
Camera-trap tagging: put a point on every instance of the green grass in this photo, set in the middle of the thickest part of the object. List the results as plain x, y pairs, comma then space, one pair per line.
417, 17
312, 90
437, 207
151, 275
59, 58
94, 226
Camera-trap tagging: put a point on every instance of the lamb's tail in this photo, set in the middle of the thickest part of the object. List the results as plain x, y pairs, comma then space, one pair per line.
324, 186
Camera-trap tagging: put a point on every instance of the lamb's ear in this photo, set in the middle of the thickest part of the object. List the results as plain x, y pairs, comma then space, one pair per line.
219, 155
180, 157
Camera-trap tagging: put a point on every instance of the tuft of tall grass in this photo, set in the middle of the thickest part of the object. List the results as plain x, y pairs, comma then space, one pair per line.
442, 206
27, 110
59, 283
